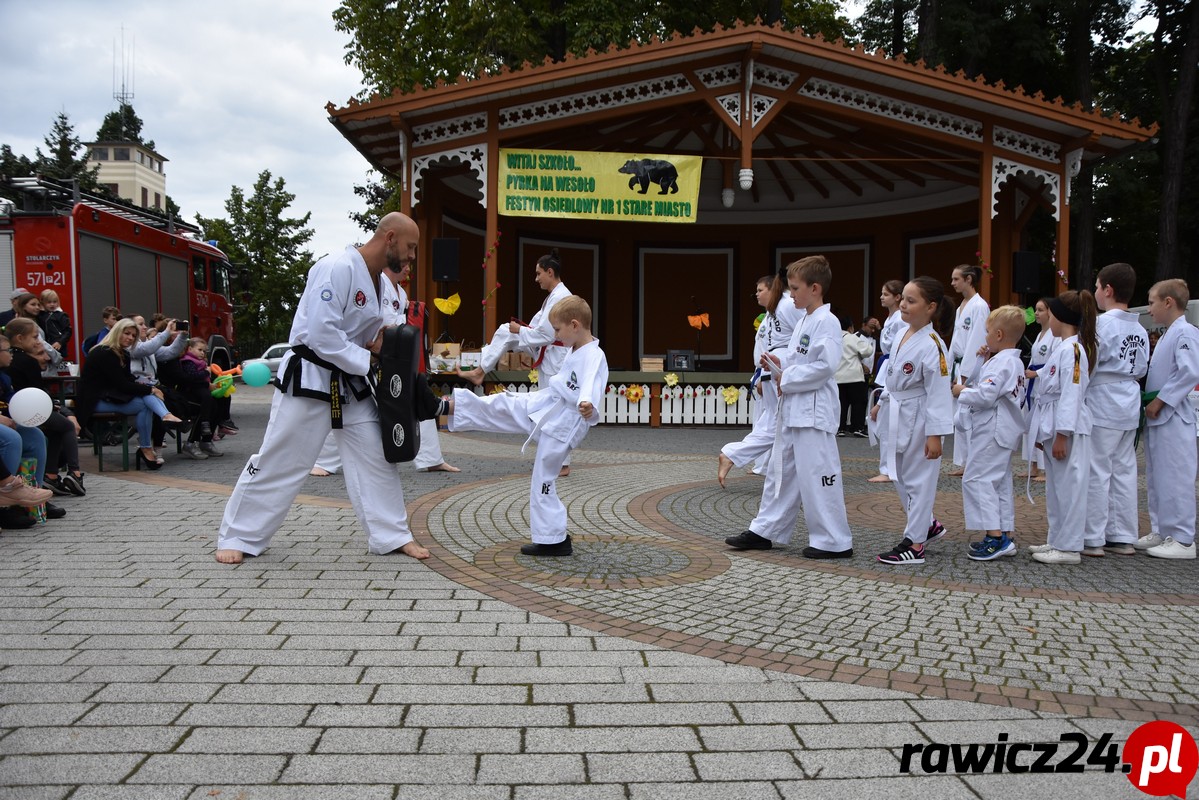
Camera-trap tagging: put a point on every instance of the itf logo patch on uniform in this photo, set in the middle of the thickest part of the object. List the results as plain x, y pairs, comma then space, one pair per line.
966, 323
326, 295
572, 382
360, 298
804, 341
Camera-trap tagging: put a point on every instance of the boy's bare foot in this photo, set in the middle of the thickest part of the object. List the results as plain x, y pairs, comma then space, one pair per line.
475, 375
230, 556
442, 467
413, 550
957, 473
1038, 478
319, 472
722, 470
879, 479
562, 473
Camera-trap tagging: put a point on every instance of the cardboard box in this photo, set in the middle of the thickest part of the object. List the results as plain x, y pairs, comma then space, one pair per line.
516, 362
652, 365
444, 357
471, 359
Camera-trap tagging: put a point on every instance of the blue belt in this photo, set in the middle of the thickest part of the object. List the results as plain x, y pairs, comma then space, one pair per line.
1029, 386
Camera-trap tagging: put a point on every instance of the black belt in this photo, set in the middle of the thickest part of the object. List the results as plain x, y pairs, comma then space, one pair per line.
306, 353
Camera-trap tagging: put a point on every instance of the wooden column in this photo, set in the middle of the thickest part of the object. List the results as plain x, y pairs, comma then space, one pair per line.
491, 197
985, 209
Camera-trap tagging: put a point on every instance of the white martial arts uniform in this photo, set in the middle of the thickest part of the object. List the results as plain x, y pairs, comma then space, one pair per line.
990, 412
893, 328
539, 334
969, 335
395, 312
917, 402
551, 417
338, 316
805, 467
774, 334
1061, 408
1170, 456
1114, 398
1042, 348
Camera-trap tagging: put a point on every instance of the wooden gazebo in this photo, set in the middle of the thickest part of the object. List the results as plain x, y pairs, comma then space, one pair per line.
889, 168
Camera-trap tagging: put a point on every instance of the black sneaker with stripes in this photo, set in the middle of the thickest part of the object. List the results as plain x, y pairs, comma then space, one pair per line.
903, 554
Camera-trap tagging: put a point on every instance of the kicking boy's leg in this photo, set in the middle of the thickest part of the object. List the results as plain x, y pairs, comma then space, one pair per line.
494, 413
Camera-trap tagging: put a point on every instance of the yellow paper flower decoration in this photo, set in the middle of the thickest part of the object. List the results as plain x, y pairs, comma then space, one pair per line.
534, 376
670, 379
497, 389
731, 395
449, 304
634, 394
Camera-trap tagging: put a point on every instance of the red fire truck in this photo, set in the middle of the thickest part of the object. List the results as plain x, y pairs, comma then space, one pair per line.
96, 252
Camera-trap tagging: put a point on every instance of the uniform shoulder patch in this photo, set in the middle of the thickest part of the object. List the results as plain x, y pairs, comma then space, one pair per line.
326, 295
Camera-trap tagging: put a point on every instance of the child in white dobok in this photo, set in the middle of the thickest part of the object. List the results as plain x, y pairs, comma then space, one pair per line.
1170, 458
1114, 398
969, 335
774, 334
1042, 348
1061, 424
989, 412
914, 412
557, 417
805, 455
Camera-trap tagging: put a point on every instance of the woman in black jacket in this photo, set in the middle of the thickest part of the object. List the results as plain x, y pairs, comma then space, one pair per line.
107, 385
62, 432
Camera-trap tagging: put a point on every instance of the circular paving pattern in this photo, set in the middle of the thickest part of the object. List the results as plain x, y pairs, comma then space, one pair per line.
650, 564
608, 562
877, 517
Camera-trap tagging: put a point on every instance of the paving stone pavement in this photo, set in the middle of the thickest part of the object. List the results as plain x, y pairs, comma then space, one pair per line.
653, 664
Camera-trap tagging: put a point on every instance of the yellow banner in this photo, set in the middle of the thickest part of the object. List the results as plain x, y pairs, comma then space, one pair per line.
587, 185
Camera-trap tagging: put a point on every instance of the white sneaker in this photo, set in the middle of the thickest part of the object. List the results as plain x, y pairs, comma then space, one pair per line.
1093, 552
1052, 556
1151, 540
1172, 549
192, 450
1038, 548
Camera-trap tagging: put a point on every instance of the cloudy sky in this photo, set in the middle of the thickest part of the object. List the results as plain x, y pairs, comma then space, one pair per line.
225, 89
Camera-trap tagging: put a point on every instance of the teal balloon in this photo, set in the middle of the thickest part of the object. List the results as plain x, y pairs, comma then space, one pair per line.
256, 374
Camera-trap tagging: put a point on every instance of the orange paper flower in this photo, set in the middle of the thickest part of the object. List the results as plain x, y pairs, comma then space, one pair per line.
698, 321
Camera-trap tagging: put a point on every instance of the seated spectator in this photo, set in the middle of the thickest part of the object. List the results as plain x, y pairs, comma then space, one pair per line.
28, 359
109, 316
28, 306
162, 343
8, 315
15, 494
107, 385
54, 322
20, 443
194, 383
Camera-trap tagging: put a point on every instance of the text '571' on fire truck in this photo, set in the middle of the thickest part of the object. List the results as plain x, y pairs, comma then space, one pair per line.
96, 252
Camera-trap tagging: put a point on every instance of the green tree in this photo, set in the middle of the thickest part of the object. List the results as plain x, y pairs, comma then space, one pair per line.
122, 125
269, 246
409, 43
12, 166
64, 160
380, 197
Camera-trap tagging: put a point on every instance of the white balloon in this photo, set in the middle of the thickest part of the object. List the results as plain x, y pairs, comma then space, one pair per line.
30, 407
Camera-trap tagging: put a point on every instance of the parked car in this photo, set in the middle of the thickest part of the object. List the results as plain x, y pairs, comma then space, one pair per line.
273, 355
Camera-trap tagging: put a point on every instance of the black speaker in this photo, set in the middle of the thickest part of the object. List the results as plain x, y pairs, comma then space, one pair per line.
1025, 265
445, 260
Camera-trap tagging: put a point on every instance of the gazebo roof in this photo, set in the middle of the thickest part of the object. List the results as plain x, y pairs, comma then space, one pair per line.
831, 125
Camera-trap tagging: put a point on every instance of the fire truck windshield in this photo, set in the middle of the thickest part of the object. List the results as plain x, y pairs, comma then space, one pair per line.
220, 279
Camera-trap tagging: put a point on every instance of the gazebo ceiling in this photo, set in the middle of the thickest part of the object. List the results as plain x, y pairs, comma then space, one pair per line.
831, 127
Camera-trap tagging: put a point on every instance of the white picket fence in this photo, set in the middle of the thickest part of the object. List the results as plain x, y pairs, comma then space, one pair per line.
681, 405
706, 405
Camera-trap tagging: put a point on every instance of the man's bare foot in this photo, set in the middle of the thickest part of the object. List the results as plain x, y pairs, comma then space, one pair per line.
722, 471
475, 375
879, 479
413, 550
230, 556
562, 473
957, 473
442, 467
319, 472
1038, 478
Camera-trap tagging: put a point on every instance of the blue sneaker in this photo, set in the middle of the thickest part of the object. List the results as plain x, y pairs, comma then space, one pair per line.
992, 548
